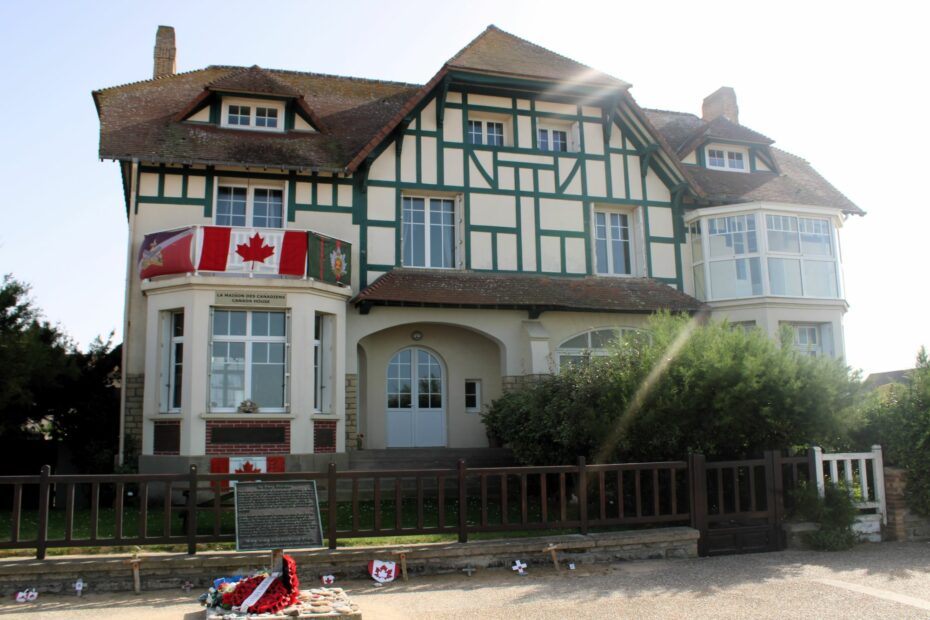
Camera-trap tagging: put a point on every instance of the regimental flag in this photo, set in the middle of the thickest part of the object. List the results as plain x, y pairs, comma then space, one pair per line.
236, 250
382, 572
329, 259
167, 252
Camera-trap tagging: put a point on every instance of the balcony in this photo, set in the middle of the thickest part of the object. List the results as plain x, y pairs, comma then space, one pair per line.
251, 252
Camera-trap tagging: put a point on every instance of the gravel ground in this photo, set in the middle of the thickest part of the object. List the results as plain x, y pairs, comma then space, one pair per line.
891, 580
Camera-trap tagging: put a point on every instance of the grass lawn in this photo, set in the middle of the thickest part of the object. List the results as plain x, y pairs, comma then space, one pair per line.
155, 525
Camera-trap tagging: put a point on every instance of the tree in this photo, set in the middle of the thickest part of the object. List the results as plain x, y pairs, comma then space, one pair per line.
899, 420
685, 386
35, 362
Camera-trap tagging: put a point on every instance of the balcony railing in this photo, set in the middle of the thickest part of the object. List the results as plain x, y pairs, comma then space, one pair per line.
245, 251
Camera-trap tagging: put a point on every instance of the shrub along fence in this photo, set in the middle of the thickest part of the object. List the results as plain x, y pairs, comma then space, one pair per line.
737, 505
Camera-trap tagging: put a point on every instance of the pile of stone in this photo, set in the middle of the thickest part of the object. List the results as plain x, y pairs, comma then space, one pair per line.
315, 603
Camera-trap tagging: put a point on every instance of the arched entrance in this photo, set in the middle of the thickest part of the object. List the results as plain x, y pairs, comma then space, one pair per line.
416, 413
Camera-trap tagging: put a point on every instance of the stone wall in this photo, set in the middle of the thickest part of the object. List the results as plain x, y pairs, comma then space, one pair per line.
514, 382
903, 523
351, 411
160, 571
132, 414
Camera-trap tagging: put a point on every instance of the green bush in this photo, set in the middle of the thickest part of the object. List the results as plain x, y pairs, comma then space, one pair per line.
835, 513
899, 420
708, 388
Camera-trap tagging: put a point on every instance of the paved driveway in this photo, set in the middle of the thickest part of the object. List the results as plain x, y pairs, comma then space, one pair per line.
891, 580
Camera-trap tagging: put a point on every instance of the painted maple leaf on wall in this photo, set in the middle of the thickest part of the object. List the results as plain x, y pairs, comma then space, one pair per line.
255, 250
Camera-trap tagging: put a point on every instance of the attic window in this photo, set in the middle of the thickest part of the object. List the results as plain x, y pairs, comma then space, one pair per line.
256, 115
719, 158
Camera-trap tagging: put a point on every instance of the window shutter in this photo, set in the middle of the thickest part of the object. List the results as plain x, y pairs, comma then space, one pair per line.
576, 137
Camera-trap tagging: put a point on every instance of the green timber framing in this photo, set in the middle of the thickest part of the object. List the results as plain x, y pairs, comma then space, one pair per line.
569, 169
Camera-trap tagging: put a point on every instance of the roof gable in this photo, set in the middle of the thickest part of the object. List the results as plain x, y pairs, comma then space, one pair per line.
497, 52
254, 81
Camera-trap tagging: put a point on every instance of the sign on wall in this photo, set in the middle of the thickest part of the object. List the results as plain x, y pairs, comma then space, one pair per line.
250, 298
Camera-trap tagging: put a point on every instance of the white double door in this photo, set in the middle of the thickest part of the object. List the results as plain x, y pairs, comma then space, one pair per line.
416, 415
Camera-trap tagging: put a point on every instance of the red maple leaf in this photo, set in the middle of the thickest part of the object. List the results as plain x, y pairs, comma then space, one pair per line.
248, 468
255, 250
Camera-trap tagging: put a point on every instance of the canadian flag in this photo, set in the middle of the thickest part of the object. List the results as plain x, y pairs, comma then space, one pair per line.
382, 572
238, 250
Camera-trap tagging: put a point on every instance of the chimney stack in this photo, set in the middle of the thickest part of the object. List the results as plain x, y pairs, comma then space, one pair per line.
165, 52
722, 102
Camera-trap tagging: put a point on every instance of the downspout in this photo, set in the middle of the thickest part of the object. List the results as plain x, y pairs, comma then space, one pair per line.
124, 357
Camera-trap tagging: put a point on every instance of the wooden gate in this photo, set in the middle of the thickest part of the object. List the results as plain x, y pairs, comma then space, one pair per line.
738, 505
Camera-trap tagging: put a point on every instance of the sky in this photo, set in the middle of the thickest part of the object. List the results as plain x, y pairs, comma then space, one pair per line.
841, 84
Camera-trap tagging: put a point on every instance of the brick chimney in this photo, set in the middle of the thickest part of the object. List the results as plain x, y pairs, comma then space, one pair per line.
722, 102
165, 52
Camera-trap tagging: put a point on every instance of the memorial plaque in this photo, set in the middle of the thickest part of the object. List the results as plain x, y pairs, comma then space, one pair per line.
277, 515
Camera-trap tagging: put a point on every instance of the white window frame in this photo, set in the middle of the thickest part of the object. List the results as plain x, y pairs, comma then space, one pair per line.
249, 339
548, 128
563, 351
699, 226
322, 362
484, 127
802, 258
427, 223
477, 406
823, 332
253, 105
727, 151
634, 243
170, 361
250, 187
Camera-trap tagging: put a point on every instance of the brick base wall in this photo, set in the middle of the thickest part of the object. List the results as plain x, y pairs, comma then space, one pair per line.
132, 414
903, 523
324, 436
245, 449
167, 426
351, 412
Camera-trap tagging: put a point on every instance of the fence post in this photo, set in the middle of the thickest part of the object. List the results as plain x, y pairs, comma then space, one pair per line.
776, 493
817, 469
331, 504
697, 482
192, 510
44, 491
463, 504
583, 494
878, 473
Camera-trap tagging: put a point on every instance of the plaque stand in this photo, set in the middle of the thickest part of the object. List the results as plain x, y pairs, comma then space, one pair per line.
277, 561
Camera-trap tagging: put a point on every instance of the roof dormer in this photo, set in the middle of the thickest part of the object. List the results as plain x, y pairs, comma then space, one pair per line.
252, 99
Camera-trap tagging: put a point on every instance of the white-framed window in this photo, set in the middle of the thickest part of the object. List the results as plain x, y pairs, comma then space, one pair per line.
245, 203
613, 242
733, 257
322, 362
592, 343
472, 395
173, 364
248, 359
254, 114
486, 132
814, 339
552, 139
428, 232
721, 158
801, 259
792, 256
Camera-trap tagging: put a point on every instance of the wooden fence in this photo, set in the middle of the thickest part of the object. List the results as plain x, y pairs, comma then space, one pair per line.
195, 508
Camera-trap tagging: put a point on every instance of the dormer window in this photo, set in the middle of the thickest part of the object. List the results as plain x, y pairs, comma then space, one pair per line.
720, 158
254, 115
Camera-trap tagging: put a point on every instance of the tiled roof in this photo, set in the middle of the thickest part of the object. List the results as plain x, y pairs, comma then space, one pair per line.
140, 119
469, 289
797, 183
498, 52
254, 80
685, 132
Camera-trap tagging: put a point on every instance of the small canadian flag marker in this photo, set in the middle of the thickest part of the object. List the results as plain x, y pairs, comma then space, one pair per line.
327, 580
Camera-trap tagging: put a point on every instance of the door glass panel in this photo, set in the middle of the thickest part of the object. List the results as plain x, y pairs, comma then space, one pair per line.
400, 381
